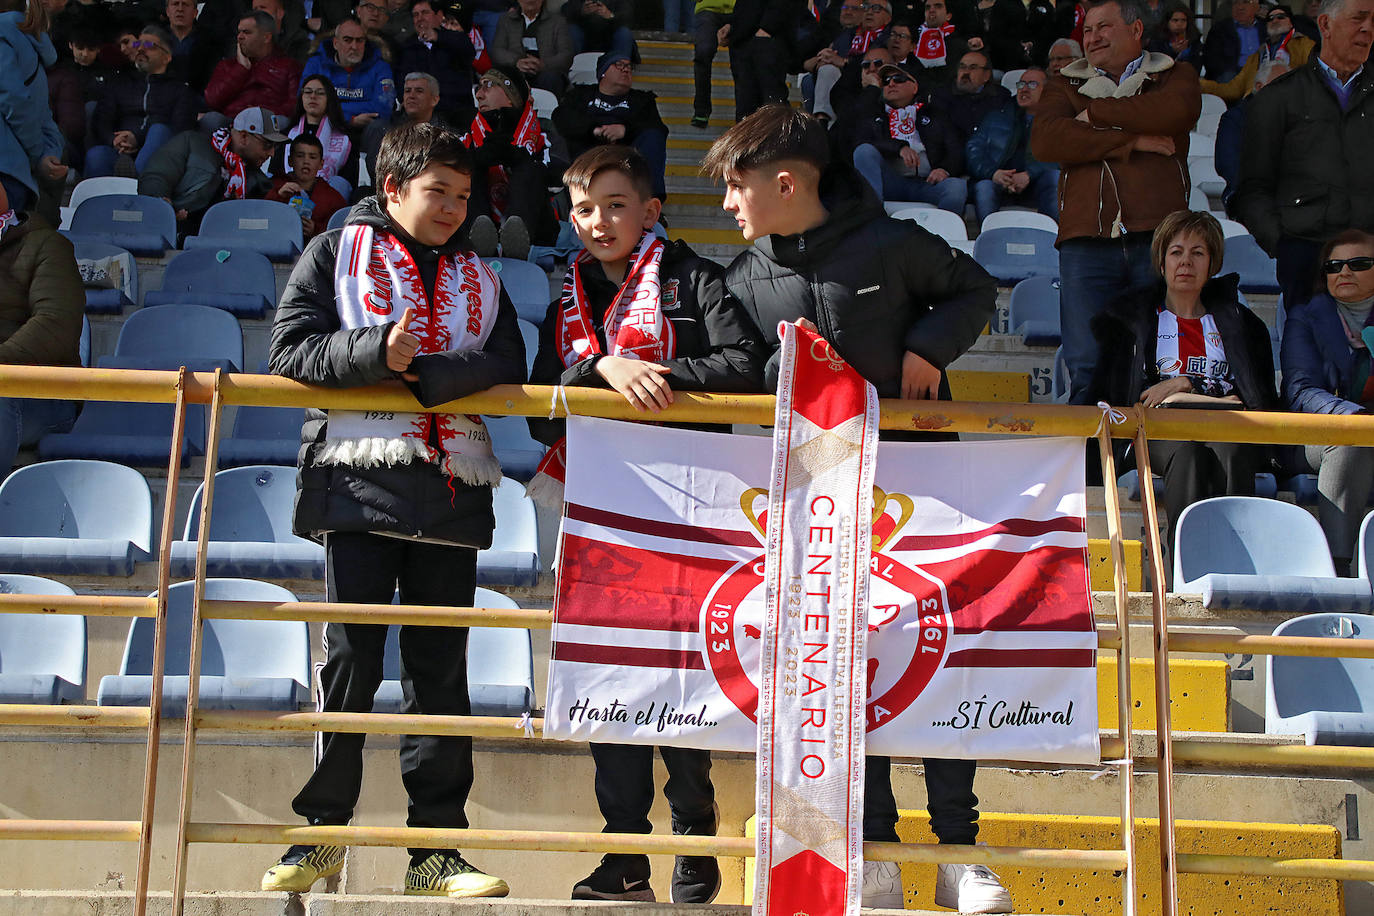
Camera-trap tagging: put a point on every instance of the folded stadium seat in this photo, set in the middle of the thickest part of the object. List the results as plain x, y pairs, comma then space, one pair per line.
138, 435
1257, 270
513, 558
239, 281
1197, 200
1202, 171
250, 529
1230, 228
526, 285
94, 187
500, 666
269, 227
75, 518
245, 664
1259, 554
1213, 105
1010, 219
530, 332
1326, 700
83, 347
1201, 145
42, 656
948, 226
146, 226
110, 275
1011, 78
583, 69
1303, 487
173, 334
1014, 253
263, 435
1034, 311
515, 448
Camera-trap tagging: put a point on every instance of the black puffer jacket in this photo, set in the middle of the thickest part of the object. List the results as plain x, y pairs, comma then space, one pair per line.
876, 287
718, 348
136, 101
309, 345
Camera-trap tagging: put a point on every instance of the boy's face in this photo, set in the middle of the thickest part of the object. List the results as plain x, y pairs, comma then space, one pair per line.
755, 198
432, 206
305, 162
84, 57
611, 217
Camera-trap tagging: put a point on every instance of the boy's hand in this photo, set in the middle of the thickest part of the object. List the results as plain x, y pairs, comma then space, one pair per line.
920, 380
401, 345
640, 382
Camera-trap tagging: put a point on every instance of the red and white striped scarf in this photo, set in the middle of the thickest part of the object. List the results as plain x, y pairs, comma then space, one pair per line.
235, 175
931, 45
635, 328
528, 135
862, 39
481, 61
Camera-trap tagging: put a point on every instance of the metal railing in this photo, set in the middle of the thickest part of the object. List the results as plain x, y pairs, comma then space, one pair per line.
219, 390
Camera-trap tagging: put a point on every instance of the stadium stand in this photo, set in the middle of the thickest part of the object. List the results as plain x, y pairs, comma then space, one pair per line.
239, 280
145, 226
42, 656
1326, 700
269, 227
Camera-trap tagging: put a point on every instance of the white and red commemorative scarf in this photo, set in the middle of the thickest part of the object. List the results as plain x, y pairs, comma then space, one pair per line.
235, 176
901, 124
931, 44
1279, 53
812, 713
336, 145
862, 39
1192, 347
375, 281
635, 329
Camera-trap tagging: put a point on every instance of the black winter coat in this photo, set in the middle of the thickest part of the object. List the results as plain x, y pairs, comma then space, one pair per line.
718, 347
776, 17
966, 111
309, 345
584, 108
876, 287
944, 148
135, 101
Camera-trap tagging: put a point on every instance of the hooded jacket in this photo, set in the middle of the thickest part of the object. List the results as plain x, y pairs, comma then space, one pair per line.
1106, 188
876, 287
1318, 361
310, 345
27, 130
41, 297
367, 88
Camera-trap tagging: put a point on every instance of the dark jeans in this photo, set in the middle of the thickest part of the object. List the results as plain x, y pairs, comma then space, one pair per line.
1195, 471
621, 40
437, 771
1296, 268
528, 199
1092, 272
23, 421
886, 178
704, 49
100, 160
950, 801
1042, 193
759, 69
653, 146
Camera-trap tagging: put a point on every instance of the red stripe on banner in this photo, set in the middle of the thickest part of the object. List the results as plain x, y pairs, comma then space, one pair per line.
1017, 527
1041, 589
611, 585
1022, 658
675, 530
628, 656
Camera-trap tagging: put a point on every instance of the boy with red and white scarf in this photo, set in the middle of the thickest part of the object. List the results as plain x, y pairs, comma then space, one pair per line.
402, 500
644, 317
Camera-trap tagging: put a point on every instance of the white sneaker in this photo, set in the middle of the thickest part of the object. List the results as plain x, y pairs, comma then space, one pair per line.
970, 889
882, 886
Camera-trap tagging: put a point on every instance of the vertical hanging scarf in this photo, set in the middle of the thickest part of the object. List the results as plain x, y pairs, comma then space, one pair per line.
375, 281
861, 41
481, 61
635, 329
234, 173
336, 145
811, 712
529, 136
931, 46
1279, 53
901, 124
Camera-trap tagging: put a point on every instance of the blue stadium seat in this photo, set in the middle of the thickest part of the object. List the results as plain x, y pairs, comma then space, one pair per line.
339, 218
1303, 487
269, 227
138, 435
75, 517
42, 656
500, 667
1257, 270
83, 348
108, 301
526, 285
530, 332
263, 435
515, 448
1059, 385
250, 529
1226, 549
1012, 254
146, 226
245, 664
513, 558
1326, 700
240, 281
1265, 485
170, 335
1034, 311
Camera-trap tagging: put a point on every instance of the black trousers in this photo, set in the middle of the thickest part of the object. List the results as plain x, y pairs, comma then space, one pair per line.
704, 46
759, 69
949, 798
625, 788
437, 771
528, 199
1194, 471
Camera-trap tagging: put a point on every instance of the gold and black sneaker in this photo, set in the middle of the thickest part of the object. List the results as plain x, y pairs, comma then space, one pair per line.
302, 866
447, 874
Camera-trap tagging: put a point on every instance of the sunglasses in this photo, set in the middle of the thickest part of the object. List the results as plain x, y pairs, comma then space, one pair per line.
872, 64
895, 78
146, 45
1027, 84
1358, 265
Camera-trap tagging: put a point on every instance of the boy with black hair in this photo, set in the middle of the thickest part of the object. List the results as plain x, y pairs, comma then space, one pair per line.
314, 198
399, 499
685, 334
899, 305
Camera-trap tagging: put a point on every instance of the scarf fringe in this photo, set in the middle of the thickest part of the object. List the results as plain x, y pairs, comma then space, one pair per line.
373, 452
546, 491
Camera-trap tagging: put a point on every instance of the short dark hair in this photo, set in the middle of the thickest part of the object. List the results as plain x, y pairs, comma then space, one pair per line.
411, 148
161, 34
1131, 10
776, 132
610, 158
306, 140
84, 36
263, 20
432, 4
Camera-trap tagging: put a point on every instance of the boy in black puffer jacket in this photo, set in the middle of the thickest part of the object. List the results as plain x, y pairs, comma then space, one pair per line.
399, 499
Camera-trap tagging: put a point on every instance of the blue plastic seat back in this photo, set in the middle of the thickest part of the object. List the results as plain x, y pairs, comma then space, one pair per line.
1247, 535
1059, 387
129, 433
237, 280
252, 503
181, 332
1013, 253
515, 448
529, 331
270, 227
84, 347
109, 301
339, 218
143, 225
44, 645
1258, 271
1034, 310
231, 648
269, 423
1298, 685
526, 285
77, 499
516, 523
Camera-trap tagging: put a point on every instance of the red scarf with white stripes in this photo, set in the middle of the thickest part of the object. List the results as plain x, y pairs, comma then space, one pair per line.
235, 174
529, 136
930, 46
862, 40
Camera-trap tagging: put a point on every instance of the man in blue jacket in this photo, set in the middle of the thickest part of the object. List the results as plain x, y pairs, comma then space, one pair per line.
363, 80
999, 160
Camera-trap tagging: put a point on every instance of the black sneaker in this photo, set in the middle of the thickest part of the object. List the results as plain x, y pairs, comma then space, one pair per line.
696, 879
515, 238
618, 877
482, 234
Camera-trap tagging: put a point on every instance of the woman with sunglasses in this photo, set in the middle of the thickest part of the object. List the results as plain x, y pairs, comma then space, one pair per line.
1326, 362
318, 112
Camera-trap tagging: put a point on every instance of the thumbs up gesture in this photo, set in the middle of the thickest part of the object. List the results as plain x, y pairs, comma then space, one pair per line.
401, 345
